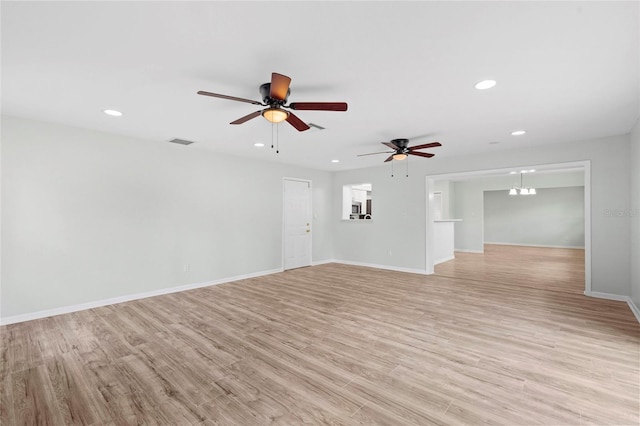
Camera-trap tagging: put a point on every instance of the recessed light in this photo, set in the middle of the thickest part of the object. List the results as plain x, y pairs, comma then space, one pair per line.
523, 171
513, 173
518, 133
112, 112
494, 142
485, 84
258, 144
335, 161
532, 170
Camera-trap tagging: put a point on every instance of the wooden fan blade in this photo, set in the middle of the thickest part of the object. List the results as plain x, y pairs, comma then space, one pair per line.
319, 106
389, 159
390, 145
297, 123
246, 117
426, 145
279, 86
375, 153
421, 154
231, 98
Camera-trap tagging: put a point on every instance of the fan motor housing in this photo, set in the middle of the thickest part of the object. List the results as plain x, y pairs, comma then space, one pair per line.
265, 92
400, 143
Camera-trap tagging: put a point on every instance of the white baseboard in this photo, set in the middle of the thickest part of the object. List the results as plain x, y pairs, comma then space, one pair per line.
387, 267
445, 259
609, 296
634, 308
535, 245
127, 298
468, 251
322, 262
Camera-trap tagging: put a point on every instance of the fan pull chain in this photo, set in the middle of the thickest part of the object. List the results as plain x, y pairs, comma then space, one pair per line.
272, 135
392, 167
277, 139
407, 166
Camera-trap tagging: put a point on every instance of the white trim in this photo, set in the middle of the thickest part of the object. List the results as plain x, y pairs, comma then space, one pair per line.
468, 251
608, 296
587, 225
535, 245
634, 308
387, 267
322, 262
445, 259
127, 298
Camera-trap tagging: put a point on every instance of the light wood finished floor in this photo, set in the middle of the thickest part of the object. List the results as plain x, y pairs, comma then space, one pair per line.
555, 269
330, 344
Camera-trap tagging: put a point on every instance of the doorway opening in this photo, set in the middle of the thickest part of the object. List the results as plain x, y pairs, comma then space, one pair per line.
470, 231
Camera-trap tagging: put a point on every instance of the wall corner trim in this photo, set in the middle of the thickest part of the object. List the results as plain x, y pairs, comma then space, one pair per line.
387, 267
128, 298
609, 296
634, 308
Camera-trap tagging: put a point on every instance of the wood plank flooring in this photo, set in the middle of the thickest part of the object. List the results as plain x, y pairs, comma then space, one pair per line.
330, 344
554, 269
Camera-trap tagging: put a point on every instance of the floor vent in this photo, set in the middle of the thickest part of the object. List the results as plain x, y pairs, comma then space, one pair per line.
181, 141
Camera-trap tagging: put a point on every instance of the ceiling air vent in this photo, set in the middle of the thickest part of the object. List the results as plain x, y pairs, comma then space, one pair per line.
181, 141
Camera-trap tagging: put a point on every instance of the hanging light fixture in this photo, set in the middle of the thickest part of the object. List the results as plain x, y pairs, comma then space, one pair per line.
522, 190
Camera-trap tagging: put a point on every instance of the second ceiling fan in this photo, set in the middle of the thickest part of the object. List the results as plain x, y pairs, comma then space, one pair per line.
401, 149
274, 97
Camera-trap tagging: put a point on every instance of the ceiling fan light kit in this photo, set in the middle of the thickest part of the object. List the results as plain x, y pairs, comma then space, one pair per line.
275, 115
399, 157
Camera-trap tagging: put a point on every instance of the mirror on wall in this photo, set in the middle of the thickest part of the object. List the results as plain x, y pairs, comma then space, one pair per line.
356, 201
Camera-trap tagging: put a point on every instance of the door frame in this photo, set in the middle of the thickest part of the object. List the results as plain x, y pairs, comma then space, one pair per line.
586, 166
284, 179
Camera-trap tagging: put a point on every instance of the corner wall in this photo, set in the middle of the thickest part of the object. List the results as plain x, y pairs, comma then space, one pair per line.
89, 216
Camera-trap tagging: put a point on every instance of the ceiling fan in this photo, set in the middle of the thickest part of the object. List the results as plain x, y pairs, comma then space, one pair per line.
401, 149
274, 96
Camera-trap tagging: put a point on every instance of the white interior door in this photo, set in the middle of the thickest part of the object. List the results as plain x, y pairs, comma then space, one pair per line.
297, 223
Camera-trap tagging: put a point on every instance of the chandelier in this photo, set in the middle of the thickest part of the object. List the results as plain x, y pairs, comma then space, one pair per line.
522, 190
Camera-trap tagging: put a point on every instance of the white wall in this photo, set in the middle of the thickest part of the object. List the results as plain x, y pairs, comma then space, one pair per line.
400, 219
389, 239
554, 217
448, 195
634, 214
469, 234
88, 216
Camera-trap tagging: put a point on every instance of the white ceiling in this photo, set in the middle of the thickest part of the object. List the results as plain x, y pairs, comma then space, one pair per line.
565, 70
